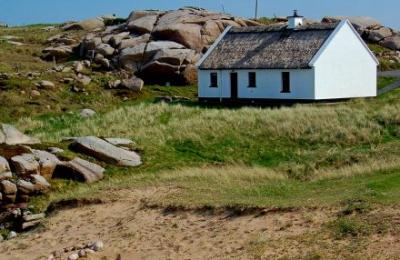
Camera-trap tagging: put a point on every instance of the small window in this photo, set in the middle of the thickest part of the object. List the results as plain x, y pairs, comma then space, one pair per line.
285, 82
252, 80
213, 80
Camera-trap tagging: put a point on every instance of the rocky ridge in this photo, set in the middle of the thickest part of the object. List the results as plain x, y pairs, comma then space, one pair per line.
27, 171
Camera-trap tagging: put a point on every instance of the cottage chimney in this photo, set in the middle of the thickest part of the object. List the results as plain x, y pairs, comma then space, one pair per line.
295, 21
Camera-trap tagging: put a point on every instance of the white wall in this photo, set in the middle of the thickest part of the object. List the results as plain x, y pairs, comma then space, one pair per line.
345, 69
269, 84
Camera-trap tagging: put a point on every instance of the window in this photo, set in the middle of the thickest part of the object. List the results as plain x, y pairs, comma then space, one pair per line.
213, 80
252, 80
285, 82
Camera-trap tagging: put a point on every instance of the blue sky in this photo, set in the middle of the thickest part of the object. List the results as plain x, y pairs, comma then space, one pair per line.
19, 12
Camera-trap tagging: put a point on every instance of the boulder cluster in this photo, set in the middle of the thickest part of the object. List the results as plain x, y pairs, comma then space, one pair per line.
26, 171
148, 43
371, 31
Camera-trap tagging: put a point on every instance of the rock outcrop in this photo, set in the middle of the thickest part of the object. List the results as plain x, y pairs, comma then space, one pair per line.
166, 44
105, 151
11, 136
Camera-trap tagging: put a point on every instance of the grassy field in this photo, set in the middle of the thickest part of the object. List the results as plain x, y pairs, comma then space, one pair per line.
292, 156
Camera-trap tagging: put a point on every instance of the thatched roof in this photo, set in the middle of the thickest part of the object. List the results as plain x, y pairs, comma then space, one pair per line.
268, 47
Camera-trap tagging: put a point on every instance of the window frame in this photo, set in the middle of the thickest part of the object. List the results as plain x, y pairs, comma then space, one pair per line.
214, 74
286, 88
249, 79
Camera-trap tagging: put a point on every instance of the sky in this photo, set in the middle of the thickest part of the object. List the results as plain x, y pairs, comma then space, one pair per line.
22, 12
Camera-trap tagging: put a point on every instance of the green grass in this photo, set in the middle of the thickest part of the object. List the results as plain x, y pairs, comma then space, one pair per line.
385, 81
284, 157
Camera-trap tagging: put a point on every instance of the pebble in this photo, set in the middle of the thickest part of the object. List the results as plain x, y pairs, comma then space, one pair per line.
97, 246
73, 256
35, 93
12, 235
89, 251
82, 253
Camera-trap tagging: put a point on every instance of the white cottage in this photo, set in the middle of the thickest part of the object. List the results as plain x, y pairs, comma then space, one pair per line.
292, 62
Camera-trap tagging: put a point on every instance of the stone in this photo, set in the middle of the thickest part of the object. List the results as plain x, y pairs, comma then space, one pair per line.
97, 246
131, 58
91, 44
60, 53
47, 162
6, 176
139, 14
175, 56
79, 170
188, 35
12, 235
89, 251
11, 136
87, 25
392, 42
116, 39
31, 224
78, 66
119, 141
40, 183
25, 164
161, 45
83, 79
35, 93
105, 50
25, 187
134, 84
132, 42
73, 256
87, 112
143, 25
4, 166
46, 84
379, 34
105, 63
33, 217
7, 187
82, 253
105, 151
114, 84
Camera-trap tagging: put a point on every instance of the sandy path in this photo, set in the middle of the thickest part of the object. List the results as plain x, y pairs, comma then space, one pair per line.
135, 233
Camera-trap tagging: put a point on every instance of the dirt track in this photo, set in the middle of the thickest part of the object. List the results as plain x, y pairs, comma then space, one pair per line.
132, 232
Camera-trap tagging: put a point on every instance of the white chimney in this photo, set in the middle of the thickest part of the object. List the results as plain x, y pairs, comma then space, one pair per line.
295, 20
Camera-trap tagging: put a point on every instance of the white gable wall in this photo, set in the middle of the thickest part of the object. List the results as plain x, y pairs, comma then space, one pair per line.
269, 84
345, 68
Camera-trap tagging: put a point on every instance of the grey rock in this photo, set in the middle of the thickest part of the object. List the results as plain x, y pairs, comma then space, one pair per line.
25, 164
40, 183
79, 170
143, 25
87, 112
4, 166
105, 151
47, 162
78, 66
97, 246
119, 141
12, 235
116, 39
132, 42
60, 53
73, 256
392, 42
35, 93
25, 187
11, 136
139, 14
134, 84
105, 50
83, 79
114, 84
82, 253
87, 25
33, 217
7, 187
46, 84
161, 45
379, 34
6, 176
